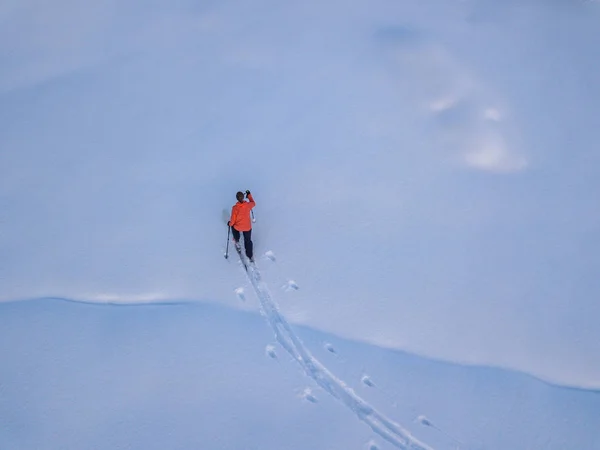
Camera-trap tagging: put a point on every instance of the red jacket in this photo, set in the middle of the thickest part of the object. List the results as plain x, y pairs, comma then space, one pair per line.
240, 215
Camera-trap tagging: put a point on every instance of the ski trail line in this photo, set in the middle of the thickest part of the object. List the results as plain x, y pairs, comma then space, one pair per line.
379, 423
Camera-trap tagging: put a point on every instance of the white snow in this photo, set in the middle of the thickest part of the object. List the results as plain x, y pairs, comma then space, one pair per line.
117, 369
270, 351
290, 285
308, 395
492, 114
449, 165
366, 380
428, 171
376, 420
424, 421
239, 292
330, 348
371, 445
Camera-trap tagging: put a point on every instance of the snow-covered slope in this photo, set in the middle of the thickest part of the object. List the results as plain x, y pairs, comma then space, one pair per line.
376, 420
192, 375
425, 171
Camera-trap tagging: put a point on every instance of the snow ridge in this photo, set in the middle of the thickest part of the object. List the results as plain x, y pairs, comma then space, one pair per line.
379, 423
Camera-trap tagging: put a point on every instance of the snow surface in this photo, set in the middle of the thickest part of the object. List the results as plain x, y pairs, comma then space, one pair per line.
426, 172
195, 375
378, 422
434, 161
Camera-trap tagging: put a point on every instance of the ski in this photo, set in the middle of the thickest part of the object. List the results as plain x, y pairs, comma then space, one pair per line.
238, 249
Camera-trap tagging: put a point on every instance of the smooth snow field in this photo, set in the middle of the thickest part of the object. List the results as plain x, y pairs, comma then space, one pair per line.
427, 231
197, 375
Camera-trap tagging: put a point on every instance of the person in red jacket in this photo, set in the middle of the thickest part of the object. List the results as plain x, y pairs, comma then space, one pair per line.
240, 222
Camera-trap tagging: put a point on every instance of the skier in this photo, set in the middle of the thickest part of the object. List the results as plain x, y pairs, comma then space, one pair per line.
240, 222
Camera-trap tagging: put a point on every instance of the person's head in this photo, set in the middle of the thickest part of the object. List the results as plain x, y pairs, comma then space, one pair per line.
240, 196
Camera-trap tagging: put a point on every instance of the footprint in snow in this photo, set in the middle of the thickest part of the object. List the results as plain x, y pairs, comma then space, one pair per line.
424, 421
372, 445
366, 380
308, 395
290, 286
270, 255
239, 292
270, 351
330, 348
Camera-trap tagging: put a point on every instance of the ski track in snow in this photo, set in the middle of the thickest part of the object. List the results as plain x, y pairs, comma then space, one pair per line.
379, 423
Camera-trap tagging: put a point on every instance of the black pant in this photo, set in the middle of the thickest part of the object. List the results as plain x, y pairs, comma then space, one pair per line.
247, 240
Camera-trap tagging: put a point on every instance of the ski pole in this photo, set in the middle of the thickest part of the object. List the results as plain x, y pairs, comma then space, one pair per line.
227, 251
252, 212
